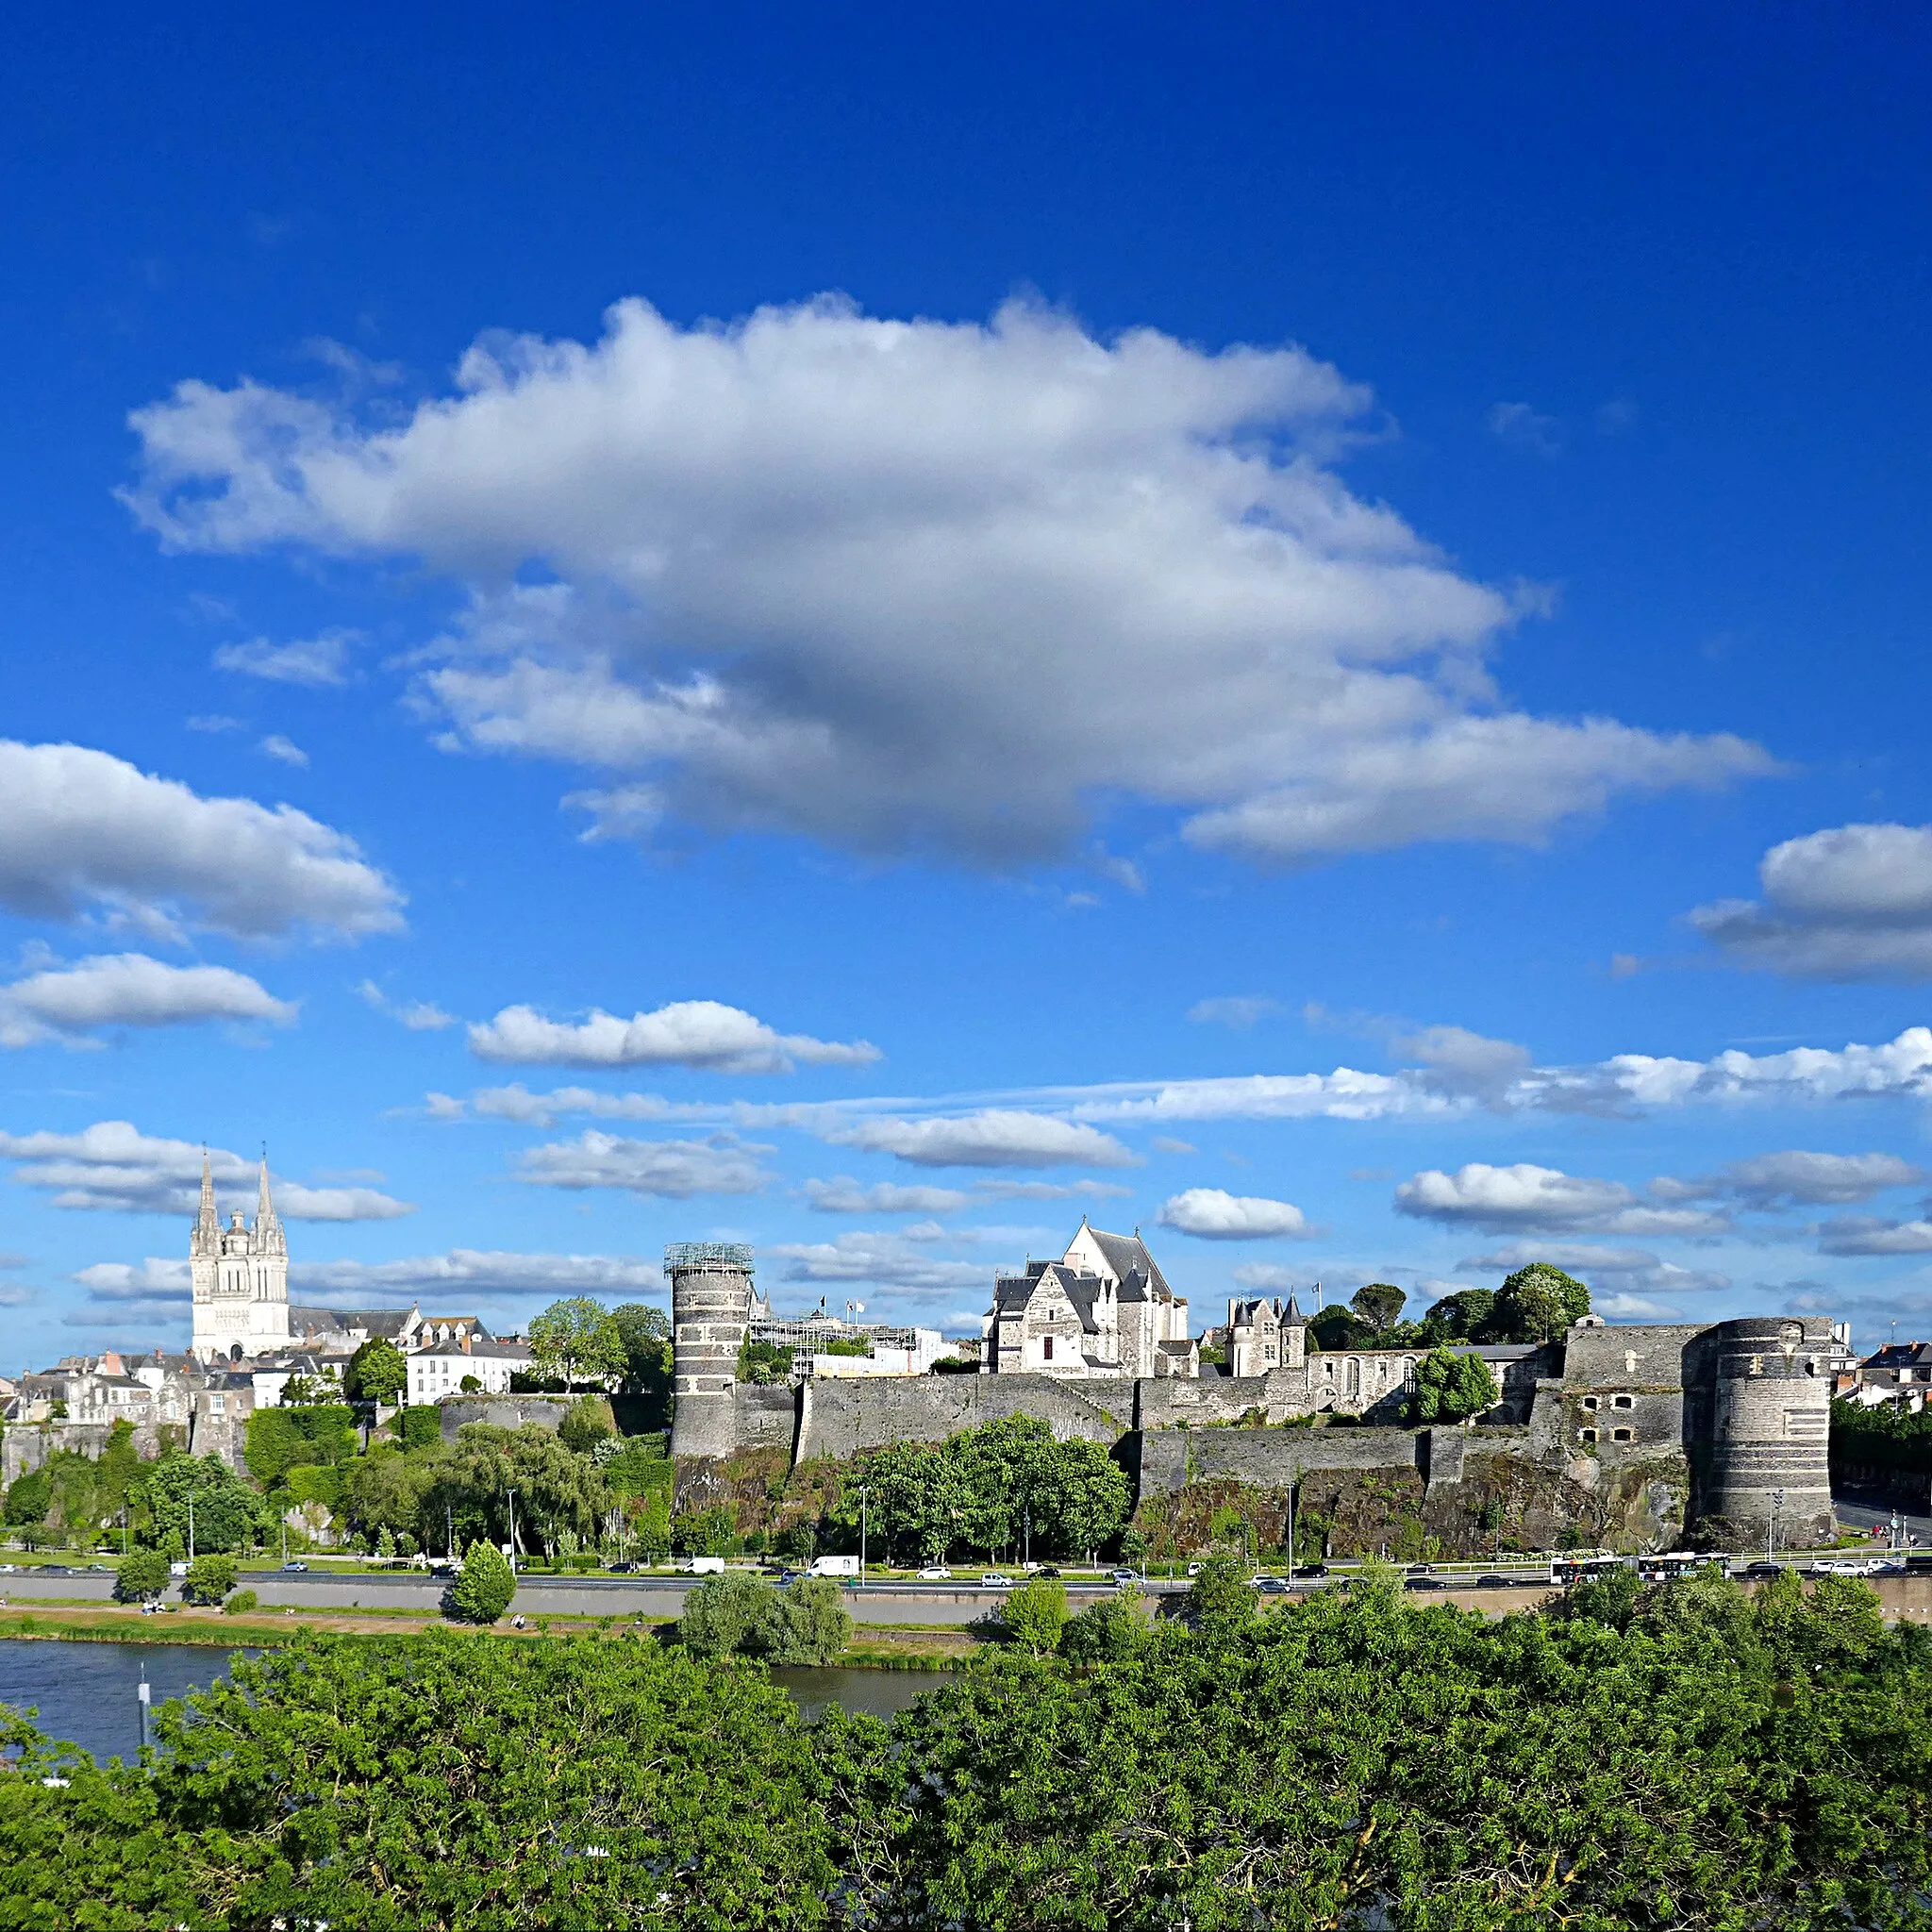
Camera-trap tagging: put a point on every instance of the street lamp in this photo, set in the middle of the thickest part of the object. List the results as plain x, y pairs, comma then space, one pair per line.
1777, 1502
863, 1493
512, 1495
1026, 1532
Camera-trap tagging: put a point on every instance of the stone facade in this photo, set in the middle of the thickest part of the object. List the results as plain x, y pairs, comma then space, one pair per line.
1104, 1308
1638, 1433
240, 1277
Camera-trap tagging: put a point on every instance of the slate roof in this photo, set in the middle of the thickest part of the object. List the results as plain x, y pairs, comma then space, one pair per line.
385, 1321
1126, 1254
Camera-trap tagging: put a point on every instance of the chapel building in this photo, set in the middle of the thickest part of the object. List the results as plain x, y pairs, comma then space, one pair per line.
1103, 1308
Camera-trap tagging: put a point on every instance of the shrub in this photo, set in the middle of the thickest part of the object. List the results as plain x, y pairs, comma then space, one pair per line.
1450, 1387
811, 1625
1106, 1632
483, 1588
1033, 1615
422, 1427
723, 1614
586, 1423
240, 1604
208, 1580
141, 1577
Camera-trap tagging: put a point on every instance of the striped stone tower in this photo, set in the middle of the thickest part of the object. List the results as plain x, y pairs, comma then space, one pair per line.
710, 1315
1771, 1429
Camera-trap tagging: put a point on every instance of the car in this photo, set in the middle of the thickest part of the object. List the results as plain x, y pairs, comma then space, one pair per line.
1127, 1576
622, 1568
295, 1569
1424, 1583
1493, 1583
10, 1568
1193, 1568
1271, 1586
935, 1573
1838, 1567
1763, 1570
994, 1579
68, 1570
1421, 1570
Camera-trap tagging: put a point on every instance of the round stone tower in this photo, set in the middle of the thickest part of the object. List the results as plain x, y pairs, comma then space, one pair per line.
1771, 1430
710, 1315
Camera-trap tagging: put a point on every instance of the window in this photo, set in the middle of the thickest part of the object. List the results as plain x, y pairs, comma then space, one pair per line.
1588, 1434
1590, 1401
1046, 1348
1623, 1435
1623, 1402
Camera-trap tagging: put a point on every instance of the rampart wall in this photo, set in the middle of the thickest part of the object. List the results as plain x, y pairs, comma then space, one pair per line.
840, 1419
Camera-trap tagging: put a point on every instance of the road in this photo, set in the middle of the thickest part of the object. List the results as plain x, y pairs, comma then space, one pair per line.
1857, 1516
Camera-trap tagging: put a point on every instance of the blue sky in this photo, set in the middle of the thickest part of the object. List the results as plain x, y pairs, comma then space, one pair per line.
867, 634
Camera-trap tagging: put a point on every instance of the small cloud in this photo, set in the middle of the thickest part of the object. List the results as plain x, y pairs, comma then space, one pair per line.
1123, 872
279, 747
1372, 1173
1613, 418
1166, 1144
312, 662
1239, 1010
1523, 428
419, 1016
690, 1033
213, 721
1625, 965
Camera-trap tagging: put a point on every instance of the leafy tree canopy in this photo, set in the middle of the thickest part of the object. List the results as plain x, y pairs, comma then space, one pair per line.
1536, 1303
1451, 1386
577, 1339
378, 1372
482, 1590
1379, 1305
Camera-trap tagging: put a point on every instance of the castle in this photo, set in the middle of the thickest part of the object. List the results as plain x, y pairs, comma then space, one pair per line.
1632, 1435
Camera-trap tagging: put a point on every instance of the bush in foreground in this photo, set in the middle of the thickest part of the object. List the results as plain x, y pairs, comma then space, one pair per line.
240, 1604
742, 1614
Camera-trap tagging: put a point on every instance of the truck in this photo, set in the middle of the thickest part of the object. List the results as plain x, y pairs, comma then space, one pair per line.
833, 1566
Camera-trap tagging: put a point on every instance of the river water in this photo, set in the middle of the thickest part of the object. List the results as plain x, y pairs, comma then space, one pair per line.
88, 1693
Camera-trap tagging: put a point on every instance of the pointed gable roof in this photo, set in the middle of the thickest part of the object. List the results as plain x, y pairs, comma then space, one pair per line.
1126, 1254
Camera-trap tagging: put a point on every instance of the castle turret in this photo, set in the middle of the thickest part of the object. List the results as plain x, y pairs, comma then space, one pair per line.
1770, 1397
710, 1316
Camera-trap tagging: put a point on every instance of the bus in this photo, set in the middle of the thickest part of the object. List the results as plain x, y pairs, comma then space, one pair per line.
1567, 1572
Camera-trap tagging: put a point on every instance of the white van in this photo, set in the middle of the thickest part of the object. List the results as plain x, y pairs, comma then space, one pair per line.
701, 1566
833, 1566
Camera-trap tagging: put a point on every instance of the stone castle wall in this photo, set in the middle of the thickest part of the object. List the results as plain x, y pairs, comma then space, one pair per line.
840, 1419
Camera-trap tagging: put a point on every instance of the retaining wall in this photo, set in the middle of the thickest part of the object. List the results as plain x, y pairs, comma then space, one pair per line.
840, 1419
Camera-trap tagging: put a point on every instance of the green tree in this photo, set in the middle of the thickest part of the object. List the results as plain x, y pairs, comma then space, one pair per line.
576, 1341
378, 1372
586, 1423
141, 1577
1221, 1600
709, 1532
1378, 1306
482, 1589
810, 1626
728, 1613
228, 1514
240, 1604
278, 1439
1536, 1303
762, 1363
29, 1497
1106, 1632
1458, 1317
422, 1427
1451, 1386
208, 1580
1035, 1614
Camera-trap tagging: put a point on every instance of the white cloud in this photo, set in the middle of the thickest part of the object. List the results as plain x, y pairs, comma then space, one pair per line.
214, 722
1465, 1065
1634, 1308
1239, 1010
115, 1167
1527, 1198
1630, 1267
1215, 1216
845, 1195
1851, 903
995, 1137
688, 1033
82, 830
283, 751
129, 990
1524, 428
1864, 1234
156, 1282
1795, 1178
315, 662
806, 564
1051, 1191
884, 1260
419, 1016
671, 1170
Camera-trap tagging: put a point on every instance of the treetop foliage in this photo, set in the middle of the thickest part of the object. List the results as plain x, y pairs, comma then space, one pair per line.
1687, 1756
1451, 1388
378, 1372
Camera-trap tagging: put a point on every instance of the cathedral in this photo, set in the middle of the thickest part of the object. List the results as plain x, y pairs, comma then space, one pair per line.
240, 1277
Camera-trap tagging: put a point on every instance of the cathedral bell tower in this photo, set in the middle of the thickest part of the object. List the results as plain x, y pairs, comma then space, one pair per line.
241, 1275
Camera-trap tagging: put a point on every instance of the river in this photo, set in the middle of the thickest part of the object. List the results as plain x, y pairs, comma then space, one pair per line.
88, 1693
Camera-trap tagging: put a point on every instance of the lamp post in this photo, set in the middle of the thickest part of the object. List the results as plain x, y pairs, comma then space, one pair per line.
512, 1494
863, 1495
1294, 1479
1777, 1502
1026, 1534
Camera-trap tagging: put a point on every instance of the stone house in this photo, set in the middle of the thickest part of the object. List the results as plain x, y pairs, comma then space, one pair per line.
1103, 1308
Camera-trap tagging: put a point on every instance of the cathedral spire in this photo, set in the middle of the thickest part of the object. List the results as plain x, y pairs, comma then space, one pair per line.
207, 1220
268, 1224
264, 1208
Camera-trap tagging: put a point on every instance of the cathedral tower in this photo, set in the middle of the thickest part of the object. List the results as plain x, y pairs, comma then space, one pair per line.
241, 1275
